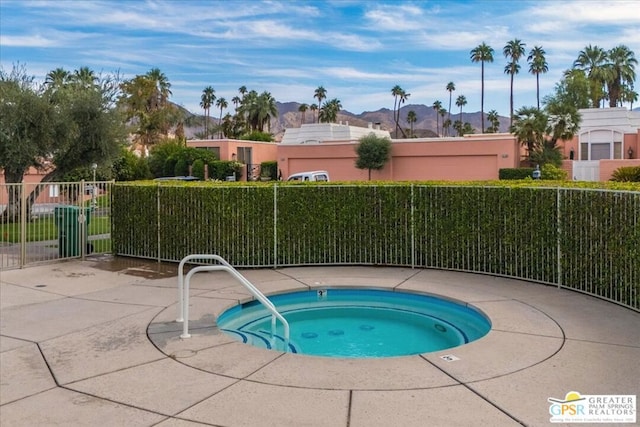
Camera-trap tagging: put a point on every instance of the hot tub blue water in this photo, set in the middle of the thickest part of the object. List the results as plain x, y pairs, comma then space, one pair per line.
357, 323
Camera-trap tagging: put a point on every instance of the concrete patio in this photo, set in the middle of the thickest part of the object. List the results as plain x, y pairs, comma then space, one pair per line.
95, 343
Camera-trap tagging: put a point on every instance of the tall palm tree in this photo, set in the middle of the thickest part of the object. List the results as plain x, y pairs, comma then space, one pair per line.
513, 51
320, 94
629, 95
162, 85
450, 88
242, 90
303, 109
267, 110
593, 61
206, 101
482, 53
443, 113
537, 65
314, 110
221, 103
236, 101
445, 127
403, 96
411, 119
437, 105
494, 119
395, 91
621, 71
461, 101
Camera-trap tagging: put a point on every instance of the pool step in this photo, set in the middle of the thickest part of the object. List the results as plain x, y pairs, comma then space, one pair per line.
260, 339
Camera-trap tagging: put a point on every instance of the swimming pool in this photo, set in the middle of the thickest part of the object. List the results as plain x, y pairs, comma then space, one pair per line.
357, 323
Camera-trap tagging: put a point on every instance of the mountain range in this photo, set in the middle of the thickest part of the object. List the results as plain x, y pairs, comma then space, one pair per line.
425, 126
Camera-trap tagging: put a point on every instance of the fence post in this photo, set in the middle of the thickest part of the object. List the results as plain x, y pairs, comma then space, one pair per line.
158, 218
275, 226
558, 237
23, 224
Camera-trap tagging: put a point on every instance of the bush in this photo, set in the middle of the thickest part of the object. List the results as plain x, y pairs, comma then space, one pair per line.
257, 136
553, 173
221, 169
626, 174
515, 173
269, 169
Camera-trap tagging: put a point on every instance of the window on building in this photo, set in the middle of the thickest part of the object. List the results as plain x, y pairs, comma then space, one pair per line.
601, 144
244, 155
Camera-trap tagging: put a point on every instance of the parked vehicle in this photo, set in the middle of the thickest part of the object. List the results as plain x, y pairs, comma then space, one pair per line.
310, 176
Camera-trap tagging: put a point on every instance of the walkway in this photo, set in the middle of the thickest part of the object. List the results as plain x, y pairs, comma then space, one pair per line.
95, 343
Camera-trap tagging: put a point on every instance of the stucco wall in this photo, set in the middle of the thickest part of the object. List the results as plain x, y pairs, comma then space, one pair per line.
475, 158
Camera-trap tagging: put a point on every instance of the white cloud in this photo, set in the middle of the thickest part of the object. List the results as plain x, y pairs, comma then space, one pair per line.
27, 41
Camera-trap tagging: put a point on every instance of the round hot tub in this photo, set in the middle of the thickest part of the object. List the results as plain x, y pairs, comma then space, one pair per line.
357, 323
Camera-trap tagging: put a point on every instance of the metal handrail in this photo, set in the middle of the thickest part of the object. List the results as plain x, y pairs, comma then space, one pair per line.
183, 290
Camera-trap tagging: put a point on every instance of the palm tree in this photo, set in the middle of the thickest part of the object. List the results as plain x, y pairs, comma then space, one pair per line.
537, 65
242, 90
411, 119
450, 88
84, 77
206, 101
621, 71
329, 111
221, 103
482, 53
403, 96
445, 127
395, 92
529, 127
320, 94
314, 110
629, 95
303, 109
593, 61
437, 105
494, 119
162, 85
236, 101
513, 51
443, 112
57, 78
461, 101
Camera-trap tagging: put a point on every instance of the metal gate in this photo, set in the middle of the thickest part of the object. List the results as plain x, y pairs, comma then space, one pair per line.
586, 170
41, 222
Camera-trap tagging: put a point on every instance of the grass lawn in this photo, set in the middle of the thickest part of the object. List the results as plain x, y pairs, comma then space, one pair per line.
46, 229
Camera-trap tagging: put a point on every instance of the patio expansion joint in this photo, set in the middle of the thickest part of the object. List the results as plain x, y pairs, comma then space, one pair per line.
477, 393
295, 279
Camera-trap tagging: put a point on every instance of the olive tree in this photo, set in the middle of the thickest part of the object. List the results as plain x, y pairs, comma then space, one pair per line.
63, 125
373, 152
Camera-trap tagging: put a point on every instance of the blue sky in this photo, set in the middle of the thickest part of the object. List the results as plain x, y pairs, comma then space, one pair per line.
357, 50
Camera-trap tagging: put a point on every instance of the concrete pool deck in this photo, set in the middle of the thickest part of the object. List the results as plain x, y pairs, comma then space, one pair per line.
96, 343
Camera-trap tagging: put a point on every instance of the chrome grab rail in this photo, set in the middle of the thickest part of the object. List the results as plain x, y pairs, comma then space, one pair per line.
183, 293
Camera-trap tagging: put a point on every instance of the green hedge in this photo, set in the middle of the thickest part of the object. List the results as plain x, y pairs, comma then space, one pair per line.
515, 173
579, 238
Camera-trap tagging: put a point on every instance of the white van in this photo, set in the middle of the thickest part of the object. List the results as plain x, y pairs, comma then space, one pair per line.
310, 176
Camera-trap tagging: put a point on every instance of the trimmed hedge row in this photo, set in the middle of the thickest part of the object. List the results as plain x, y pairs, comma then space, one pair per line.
583, 239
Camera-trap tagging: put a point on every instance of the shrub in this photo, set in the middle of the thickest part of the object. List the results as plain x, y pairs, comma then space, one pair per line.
552, 172
258, 136
626, 174
269, 169
515, 173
